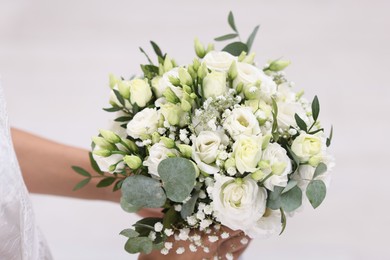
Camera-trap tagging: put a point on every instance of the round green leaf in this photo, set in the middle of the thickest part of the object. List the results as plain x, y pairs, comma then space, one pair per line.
236, 48
292, 199
316, 192
142, 191
178, 176
139, 244
126, 206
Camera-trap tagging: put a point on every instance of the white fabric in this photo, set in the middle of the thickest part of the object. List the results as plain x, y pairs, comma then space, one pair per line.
20, 238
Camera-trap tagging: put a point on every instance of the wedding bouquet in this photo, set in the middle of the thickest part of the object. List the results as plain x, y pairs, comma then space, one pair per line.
217, 142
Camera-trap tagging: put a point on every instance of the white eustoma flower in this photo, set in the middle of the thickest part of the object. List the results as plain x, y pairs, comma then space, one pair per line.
140, 92
268, 225
157, 153
214, 84
247, 153
285, 93
144, 122
238, 203
205, 150
241, 121
308, 147
280, 166
160, 85
219, 60
286, 114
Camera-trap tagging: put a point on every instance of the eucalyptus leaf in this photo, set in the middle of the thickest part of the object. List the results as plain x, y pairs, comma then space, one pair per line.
142, 191
139, 245
252, 37
145, 225
81, 171
178, 176
226, 37
292, 199
320, 169
291, 184
236, 48
301, 124
293, 156
129, 208
189, 206
129, 233
315, 108
81, 184
106, 182
316, 192
274, 201
231, 21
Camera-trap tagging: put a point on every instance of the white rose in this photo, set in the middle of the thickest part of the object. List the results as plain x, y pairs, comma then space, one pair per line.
205, 150
160, 85
157, 153
144, 122
238, 203
214, 84
104, 163
307, 147
268, 225
241, 121
247, 153
286, 114
140, 92
280, 166
219, 60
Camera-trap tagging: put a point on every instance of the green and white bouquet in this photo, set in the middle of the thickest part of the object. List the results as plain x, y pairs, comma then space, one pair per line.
220, 141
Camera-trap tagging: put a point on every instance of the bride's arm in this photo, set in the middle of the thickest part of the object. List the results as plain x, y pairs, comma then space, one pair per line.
46, 168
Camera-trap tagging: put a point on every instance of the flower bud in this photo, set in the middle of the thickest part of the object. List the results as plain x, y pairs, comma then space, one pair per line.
110, 136
113, 80
300, 94
131, 145
233, 71
112, 168
278, 167
171, 96
242, 56
134, 162
210, 47
231, 162
264, 164
203, 71
124, 88
249, 58
185, 105
167, 64
187, 89
239, 87
103, 143
196, 64
102, 153
193, 96
155, 137
185, 77
192, 71
279, 65
199, 49
175, 81
161, 69
168, 142
185, 150
258, 175
266, 140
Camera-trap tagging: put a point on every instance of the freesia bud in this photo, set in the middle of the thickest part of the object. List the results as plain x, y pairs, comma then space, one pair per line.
185, 77
196, 64
203, 71
210, 47
168, 142
242, 56
110, 136
103, 143
187, 89
175, 81
102, 153
124, 88
134, 162
279, 65
185, 105
199, 49
168, 64
239, 87
249, 58
233, 71
171, 96
131, 145
192, 71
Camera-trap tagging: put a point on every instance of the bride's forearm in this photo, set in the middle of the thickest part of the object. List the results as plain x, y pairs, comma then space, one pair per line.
46, 168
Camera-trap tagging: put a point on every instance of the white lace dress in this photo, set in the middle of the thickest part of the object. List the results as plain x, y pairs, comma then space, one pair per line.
19, 236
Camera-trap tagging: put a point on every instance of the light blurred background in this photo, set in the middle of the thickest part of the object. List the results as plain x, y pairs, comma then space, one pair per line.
55, 57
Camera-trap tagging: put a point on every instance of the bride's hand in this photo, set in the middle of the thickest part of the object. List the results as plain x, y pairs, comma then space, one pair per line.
234, 246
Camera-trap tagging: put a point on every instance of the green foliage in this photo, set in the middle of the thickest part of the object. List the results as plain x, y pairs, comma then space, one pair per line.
320, 169
315, 108
123, 119
316, 192
129, 233
292, 199
274, 201
283, 220
226, 37
232, 22
81, 171
291, 184
94, 164
252, 37
236, 48
157, 50
119, 97
126, 206
106, 182
301, 124
178, 177
142, 191
112, 109
293, 156
146, 55
81, 184
275, 133
329, 139
170, 217
189, 206
150, 71
139, 244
